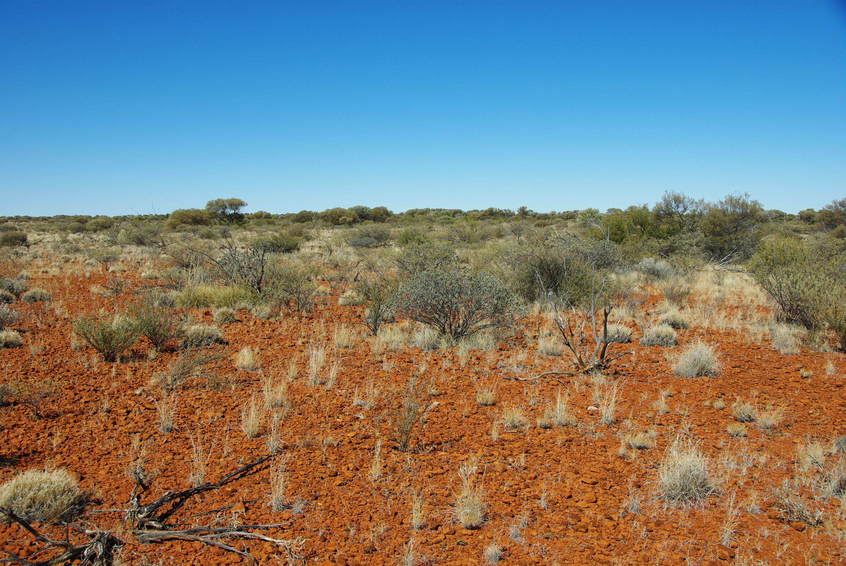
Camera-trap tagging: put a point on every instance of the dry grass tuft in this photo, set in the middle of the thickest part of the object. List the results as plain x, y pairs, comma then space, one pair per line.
661, 335
697, 360
43, 496
469, 504
251, 418
513, 418
10, 339
247, 359
683, 475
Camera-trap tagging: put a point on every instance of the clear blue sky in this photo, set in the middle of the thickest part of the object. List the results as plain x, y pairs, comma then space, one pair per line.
140, 107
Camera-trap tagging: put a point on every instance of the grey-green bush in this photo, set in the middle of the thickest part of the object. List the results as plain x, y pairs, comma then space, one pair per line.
661, 335
456, 303
36, 296
110, 337
8, 316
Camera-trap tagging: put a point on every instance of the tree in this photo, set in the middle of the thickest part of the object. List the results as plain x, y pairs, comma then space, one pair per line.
732, 228
226, 210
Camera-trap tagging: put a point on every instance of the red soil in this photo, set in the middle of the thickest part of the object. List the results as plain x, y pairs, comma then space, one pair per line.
348, 519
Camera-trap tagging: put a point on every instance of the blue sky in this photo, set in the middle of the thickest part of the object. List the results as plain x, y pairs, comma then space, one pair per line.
144, 107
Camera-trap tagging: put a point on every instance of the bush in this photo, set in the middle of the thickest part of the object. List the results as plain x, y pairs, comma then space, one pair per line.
618, 334
697, 360
14, 286
566, 267
456, 303
43, 496
683, 475
279, 243
10, 339
674, 319
806, 282
655, 268
12, 239
6, 298
36, 296
225, 315
201, 335
109, 337
425, 257
156, 324
661, 335
377, 295
8, 316
291, 285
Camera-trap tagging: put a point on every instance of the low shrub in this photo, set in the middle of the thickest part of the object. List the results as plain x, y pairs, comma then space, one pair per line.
13, 239
618, 334
8, 316
109, 337
10, 339
655, 268
456, 303
156, 324
201, 335
14, 286
224, 315
661, 335
36, 296
6, 298
43, 496
697, 360
674, 319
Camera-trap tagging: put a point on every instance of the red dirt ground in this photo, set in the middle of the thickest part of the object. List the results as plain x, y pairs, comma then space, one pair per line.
568, 485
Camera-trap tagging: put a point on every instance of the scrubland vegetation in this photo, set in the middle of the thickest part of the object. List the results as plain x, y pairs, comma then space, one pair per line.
655, 385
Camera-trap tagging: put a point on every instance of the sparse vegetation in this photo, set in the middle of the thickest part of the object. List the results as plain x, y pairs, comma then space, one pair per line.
697, 360
109, 336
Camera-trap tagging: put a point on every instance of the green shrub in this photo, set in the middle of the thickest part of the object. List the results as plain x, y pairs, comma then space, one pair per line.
156, 324
109, 337
43, 496
6, 298
12, 239
377, 295
36, 296
456, 303
806, 282
291, 285
279, 243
